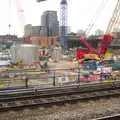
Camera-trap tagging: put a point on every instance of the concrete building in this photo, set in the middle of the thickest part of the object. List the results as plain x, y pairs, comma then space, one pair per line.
49, 23
43, 31
36, 30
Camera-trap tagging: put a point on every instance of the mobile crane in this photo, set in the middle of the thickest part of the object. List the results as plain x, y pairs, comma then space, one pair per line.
108, 37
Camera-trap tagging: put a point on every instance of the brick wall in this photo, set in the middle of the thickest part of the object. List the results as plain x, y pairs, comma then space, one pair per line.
48, 41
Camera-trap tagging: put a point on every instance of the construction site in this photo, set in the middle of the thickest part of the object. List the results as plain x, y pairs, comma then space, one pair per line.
55, 70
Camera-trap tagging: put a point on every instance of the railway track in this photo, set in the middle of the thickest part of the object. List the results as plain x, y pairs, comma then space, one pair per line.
112, 117
65, 89
59, 96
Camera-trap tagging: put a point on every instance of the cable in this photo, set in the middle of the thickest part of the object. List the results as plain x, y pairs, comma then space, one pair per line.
96, 15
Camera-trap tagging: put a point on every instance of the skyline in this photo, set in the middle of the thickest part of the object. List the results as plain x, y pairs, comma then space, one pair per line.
80, 14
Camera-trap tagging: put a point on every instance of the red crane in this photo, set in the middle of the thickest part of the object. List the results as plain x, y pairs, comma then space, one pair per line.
105, 43
107, 38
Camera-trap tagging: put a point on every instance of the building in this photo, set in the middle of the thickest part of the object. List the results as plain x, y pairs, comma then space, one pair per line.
30, 30
81, 33
27, 30
99, 32
8, 39
43, 31
49, 23
47, 41
68, 29
36, 30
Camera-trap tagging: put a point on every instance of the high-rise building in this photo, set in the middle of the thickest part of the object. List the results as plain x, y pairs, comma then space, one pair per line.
36, 30
50, 23
27, 30
30, 30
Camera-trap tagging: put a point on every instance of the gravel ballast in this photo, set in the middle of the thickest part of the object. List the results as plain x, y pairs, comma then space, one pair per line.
79, 111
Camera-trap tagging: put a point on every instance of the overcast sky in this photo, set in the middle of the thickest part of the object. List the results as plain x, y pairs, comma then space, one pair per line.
80, 13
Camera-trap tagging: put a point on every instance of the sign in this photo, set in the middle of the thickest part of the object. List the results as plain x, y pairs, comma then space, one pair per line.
64, 79
105, 70
96, 77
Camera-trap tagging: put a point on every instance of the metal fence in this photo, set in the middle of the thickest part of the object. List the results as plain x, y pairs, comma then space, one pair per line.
56, 77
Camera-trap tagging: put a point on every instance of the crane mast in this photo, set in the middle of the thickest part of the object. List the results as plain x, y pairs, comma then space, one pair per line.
114, 19
63, 25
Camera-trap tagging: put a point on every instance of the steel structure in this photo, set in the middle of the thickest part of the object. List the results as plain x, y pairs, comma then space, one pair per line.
115, 19
63, 24
21, 16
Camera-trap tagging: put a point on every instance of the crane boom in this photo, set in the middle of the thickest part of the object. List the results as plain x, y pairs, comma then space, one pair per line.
20, 13
114, 19
21, 18
88, 45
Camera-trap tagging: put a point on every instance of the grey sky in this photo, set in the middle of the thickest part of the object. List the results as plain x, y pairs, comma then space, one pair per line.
80, 13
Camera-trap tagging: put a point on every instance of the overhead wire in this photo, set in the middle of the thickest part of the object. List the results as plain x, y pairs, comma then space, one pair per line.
101, 7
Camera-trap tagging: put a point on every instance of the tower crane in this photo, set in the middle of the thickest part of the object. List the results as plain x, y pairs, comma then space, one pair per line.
21, 16
63, 24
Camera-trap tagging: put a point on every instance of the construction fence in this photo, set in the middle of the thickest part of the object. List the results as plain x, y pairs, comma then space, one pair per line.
58, 77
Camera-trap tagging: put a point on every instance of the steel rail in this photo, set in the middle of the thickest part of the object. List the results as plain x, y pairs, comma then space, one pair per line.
65, 88
112, 117
56, 98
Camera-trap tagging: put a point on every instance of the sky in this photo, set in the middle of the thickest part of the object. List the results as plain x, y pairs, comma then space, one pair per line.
80, 14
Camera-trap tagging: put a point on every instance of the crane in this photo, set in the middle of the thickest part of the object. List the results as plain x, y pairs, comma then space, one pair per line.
63, 24
107, 38
21, 16
97, 14
114, 19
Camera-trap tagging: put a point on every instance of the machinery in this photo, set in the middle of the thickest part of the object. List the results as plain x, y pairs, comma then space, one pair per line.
21, 18
115, 19
18, 64
108, 37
